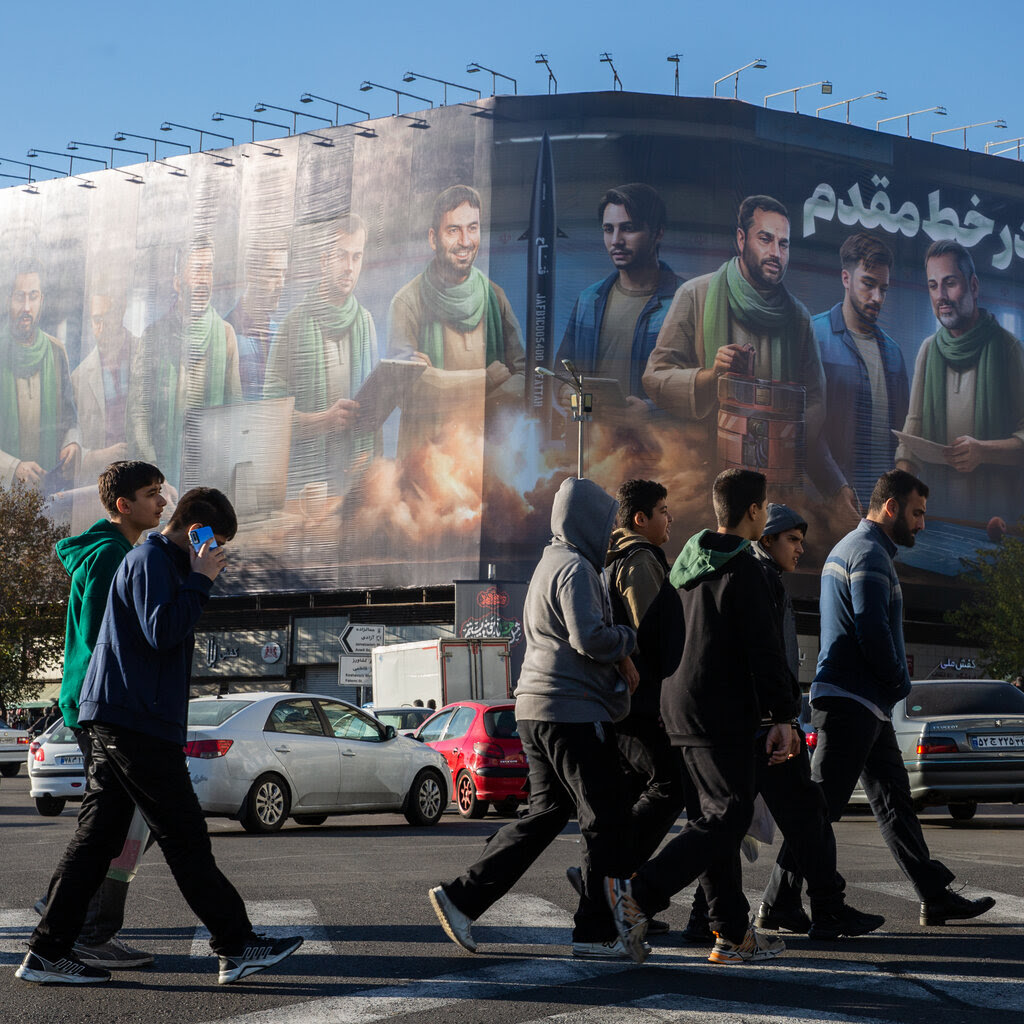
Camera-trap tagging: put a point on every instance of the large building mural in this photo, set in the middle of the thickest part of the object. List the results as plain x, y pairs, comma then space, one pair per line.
340, 329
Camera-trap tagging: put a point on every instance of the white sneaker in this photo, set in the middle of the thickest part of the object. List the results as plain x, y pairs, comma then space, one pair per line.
755, 946
455, 923
630, 920
614, 949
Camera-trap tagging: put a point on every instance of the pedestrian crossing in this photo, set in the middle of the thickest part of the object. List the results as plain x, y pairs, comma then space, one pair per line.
541, 931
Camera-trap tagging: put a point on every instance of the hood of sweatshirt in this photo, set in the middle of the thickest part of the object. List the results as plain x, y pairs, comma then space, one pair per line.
582, 516
72, 551
703, 555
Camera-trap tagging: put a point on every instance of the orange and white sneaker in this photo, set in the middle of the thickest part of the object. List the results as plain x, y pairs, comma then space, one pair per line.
754, 948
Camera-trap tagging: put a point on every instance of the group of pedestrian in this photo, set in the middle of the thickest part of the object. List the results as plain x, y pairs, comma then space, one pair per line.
131, 618
647, 687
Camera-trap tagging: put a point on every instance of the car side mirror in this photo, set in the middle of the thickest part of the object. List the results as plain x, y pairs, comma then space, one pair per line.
389, 732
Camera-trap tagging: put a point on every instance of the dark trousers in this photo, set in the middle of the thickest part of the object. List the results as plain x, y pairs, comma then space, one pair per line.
128, 769
854, 743
574, 772
727, 779
654, 773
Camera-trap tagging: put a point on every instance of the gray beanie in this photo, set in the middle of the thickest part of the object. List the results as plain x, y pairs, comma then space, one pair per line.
782, 518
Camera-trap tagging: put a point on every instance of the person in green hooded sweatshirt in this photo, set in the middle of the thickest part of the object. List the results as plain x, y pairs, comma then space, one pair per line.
131, 494
742, 319
458, 322
322, 354
38, 422
968, 394
187, 360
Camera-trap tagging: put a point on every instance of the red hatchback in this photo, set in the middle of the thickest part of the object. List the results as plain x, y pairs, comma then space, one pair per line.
480, 741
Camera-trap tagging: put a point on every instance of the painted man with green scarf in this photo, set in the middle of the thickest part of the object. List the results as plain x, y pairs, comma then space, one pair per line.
968, 394
457, 321
38, 422
187, 360
323, 351
718, 320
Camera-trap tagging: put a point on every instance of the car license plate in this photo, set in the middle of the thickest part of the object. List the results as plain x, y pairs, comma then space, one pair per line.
70, 759
997, 742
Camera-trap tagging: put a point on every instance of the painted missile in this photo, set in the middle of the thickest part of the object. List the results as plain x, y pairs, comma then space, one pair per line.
540, 284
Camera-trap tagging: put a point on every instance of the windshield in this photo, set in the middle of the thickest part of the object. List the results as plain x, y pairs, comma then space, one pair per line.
404, 718
958, 697
62, 734
214, 712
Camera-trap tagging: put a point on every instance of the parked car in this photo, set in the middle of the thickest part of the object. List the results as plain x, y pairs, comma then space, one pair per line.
962, 742
13, 747
56, 771
261, 758
480, 742
406, 720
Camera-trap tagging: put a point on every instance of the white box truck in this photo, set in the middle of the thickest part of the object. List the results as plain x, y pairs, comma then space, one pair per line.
441, 671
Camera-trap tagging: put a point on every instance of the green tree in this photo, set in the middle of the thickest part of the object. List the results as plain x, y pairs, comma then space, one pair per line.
33, 593
992, 617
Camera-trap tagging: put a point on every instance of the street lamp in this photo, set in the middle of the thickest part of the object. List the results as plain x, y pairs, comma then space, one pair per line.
606, 58
998, 123
1008, 143
473, 67
582, 404
542, 58
411, 76
70, 157
219, 115
296, 114
166, 126
83, 182
399, 93
368, 133
121, 136
757, 62
928, 110
73, 145
878, 94
826, 90
674, 59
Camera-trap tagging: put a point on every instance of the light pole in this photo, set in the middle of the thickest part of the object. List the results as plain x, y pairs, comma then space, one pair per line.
70, 157
675, 59
757, 62
121, 136
928, 110
878, 94
542, 58
367, 133
582, 403
399, 93
606, 58
131, 175
473, 67
83, 182
998, 123
219, 115
411, 76
296, 114
1008, 143
166, 126
826, 90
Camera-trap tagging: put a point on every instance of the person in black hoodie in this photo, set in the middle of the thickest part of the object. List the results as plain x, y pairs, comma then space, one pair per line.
729, 706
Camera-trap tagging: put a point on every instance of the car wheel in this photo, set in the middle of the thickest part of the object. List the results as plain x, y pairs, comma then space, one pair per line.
963, 811
266, 806
508, 808
425, 803
50, 806
10, 770
466, 798
309, 819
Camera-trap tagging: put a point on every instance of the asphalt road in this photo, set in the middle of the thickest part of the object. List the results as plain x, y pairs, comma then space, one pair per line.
356, 888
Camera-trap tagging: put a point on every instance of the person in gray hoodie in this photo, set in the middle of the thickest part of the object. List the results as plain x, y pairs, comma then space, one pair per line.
576, 681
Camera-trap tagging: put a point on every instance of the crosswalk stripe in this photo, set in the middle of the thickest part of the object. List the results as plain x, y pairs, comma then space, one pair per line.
15, 928
277, 918
1008, 909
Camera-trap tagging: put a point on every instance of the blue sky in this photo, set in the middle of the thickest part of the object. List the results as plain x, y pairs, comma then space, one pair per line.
83, 71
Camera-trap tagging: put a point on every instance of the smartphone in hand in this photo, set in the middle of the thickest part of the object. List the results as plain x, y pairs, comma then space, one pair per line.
200, 536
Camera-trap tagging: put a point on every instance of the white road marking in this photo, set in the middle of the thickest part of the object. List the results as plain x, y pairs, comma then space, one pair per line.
15, 928
275, 918
1008, 909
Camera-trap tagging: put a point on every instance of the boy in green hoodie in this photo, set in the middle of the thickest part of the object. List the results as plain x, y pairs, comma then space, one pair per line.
131, 494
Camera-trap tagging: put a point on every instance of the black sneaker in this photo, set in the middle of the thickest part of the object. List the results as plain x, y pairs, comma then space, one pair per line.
698, 931
262, 951
844, 921
773, 919
67, 970
952, 906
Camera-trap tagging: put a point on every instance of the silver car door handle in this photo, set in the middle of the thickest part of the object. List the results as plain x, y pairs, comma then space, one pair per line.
348, 753
282, 750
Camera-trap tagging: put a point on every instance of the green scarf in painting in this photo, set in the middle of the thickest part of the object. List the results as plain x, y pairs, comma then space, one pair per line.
19, 360
461, 306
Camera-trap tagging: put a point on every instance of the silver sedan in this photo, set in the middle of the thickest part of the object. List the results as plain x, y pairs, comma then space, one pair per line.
261, 758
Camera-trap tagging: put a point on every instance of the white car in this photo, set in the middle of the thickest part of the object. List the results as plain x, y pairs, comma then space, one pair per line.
13, 747
262, 758
56, 772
